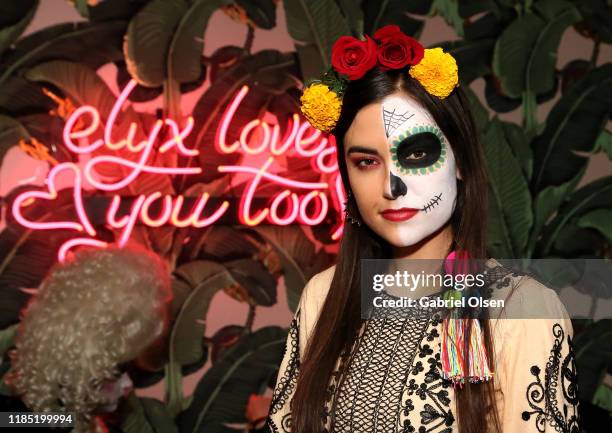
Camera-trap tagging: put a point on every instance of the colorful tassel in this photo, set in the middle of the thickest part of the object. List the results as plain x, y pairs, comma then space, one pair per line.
454, 329
478, 362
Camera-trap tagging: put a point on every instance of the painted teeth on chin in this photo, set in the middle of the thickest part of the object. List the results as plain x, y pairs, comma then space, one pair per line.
432, 203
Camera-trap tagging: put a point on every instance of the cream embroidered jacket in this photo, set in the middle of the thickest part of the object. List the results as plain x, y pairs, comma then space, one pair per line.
391, 380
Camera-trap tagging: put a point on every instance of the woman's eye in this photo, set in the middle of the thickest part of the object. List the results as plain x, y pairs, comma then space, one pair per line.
365, 162
415, 156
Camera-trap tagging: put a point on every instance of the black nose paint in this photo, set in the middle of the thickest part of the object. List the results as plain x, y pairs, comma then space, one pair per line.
398, 187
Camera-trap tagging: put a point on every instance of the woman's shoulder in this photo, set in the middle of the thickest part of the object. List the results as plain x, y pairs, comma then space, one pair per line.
316, 288
531, 315
524, 296
318, 285
312, 300
326, 274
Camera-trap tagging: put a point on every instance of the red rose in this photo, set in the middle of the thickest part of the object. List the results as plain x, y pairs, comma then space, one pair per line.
398, 50
353, 57
386, 32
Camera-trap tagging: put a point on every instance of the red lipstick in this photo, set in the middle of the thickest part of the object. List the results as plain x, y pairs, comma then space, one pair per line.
397, 215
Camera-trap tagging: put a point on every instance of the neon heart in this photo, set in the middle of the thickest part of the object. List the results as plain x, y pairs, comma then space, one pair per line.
83, 224
66, 246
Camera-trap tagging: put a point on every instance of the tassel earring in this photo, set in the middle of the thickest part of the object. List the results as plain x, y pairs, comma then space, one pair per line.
455, 362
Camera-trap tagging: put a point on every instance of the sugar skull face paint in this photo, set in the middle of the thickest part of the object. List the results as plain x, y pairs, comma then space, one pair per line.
401, 170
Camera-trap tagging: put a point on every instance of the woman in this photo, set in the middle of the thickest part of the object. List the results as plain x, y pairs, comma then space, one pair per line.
416, 188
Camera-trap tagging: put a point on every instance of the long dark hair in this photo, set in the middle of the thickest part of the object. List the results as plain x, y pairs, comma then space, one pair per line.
340, 318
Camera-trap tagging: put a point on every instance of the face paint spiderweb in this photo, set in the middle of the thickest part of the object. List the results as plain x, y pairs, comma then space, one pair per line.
392, 120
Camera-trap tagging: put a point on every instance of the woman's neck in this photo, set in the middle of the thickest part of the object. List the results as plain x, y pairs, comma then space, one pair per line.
423, 257
434, 246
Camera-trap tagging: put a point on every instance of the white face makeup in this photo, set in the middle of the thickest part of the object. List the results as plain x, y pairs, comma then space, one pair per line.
414, 170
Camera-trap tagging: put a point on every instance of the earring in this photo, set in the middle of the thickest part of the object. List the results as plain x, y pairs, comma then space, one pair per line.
354, 220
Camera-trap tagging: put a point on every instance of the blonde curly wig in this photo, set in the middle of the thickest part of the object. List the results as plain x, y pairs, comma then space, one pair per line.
98, 309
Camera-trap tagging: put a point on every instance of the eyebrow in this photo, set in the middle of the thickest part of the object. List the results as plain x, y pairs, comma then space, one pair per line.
362, 149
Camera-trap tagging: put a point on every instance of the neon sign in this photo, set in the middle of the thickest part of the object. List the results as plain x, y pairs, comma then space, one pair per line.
305, 202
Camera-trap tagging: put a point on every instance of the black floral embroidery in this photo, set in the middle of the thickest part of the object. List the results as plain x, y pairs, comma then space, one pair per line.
332, 387
270, 426
435, 415
497, 277
433, 334
543, 396
287, 382
425, 350
286, 422
369, 395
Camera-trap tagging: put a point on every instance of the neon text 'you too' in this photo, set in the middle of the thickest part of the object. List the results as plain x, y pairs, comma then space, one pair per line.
304, 202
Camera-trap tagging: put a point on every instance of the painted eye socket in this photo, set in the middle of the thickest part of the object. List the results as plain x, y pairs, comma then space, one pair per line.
419, 151
425, 144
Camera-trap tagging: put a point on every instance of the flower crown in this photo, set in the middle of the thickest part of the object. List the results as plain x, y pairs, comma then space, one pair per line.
321, 100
